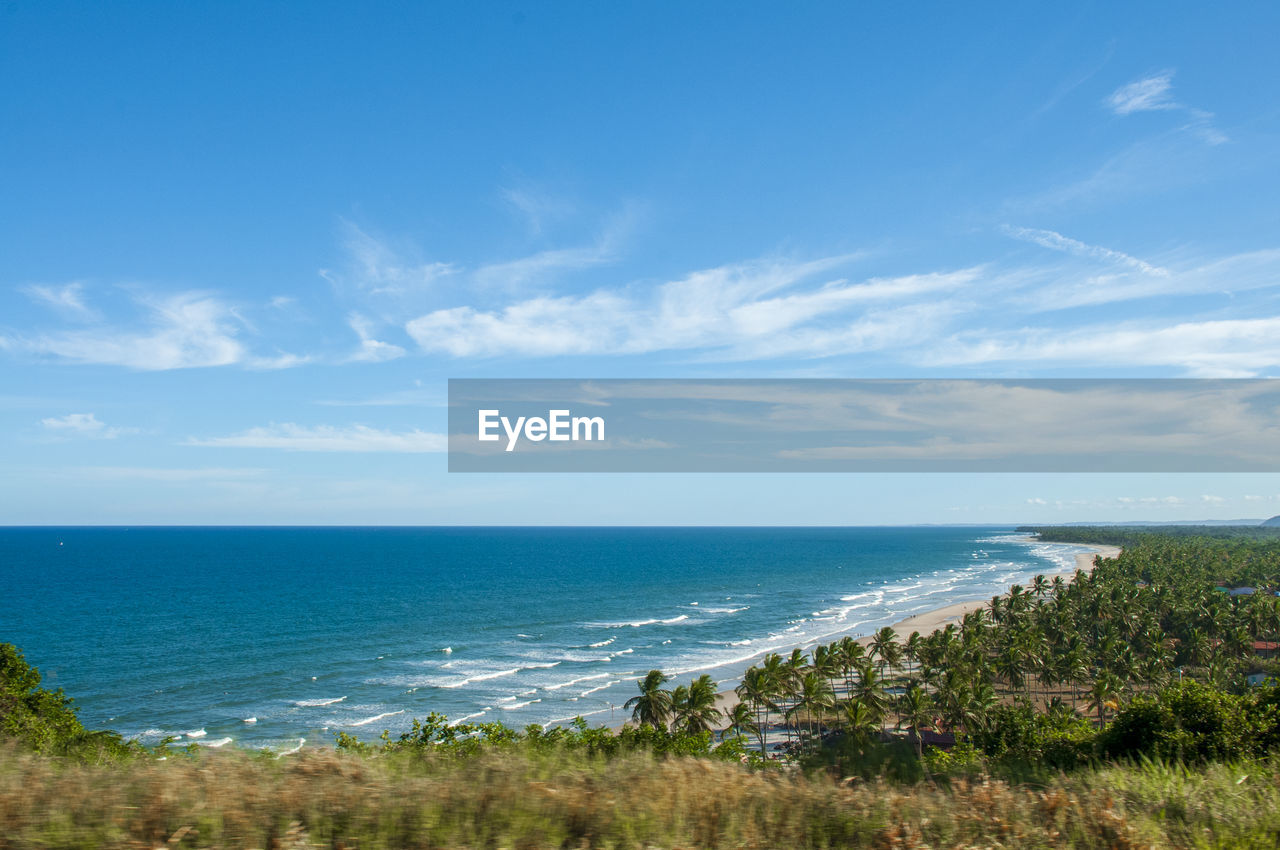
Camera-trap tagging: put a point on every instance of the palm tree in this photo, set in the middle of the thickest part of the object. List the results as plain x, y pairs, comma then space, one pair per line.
758, 689
1103, 694
654, 704
884, 647
851, 652
695, 706
861, 721
869, 689
742, 723
915, 712
814, 698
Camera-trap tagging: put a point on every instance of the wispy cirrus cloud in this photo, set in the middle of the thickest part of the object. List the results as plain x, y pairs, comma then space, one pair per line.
184, 330
538, 209
1057, 242
84, 425
67, 300
1225, 348
371, 350
289, 436
1154, 92
741, 311
379, 269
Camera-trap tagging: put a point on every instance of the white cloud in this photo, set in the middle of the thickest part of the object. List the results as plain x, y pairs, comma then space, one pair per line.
1227, 348
743, 311
1057, 242
325, 438
1155, 93
67, 300
536, 268
537, 208
371, 350
1036, 502
378, 269
186, 330
1149, 93
284, 360
1213, 500
84, 425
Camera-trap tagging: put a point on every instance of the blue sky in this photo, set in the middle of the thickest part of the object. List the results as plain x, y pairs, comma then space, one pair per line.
243, 246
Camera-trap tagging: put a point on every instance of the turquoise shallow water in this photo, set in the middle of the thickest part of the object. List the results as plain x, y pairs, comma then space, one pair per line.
263, 637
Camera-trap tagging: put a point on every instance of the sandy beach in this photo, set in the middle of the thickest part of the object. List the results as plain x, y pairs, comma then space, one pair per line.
928, 622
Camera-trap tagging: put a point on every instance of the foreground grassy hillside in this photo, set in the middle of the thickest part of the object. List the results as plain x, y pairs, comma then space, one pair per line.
519, 800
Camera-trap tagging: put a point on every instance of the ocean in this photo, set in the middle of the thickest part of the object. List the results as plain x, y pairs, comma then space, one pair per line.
276, 637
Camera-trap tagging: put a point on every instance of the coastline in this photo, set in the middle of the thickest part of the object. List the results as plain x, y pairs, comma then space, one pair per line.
927, 622
930, 621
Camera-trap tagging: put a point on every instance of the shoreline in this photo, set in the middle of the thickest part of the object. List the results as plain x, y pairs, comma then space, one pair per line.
927, 622
930, 621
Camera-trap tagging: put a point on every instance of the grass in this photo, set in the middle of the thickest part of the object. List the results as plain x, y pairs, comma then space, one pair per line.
529, 800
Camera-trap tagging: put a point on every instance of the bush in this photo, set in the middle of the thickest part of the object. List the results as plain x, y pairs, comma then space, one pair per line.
1191, 722
1018, 735
45, 721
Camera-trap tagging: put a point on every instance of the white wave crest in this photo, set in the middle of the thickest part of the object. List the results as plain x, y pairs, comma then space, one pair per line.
375, 718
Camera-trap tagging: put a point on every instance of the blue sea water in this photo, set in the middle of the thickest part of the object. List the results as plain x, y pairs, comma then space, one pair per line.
266, 637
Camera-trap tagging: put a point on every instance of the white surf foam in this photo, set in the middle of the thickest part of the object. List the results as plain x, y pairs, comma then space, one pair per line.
375, 718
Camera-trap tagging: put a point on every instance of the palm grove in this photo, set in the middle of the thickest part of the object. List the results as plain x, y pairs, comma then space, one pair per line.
1132, 657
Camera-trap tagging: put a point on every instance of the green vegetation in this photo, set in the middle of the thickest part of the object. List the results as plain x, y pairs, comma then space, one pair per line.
45, 721
1059, 675
1112, 709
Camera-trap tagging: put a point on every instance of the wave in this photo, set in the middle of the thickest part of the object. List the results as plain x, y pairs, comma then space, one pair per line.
196, 733
599, 688
516, 705
466, 717
635, 624
316, 703
725, 610
282, 753
602, 643
586, 659
375, 718
220, 742
251, 720
560, 685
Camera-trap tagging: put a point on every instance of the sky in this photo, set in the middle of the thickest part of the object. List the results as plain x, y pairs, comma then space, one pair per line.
243, 246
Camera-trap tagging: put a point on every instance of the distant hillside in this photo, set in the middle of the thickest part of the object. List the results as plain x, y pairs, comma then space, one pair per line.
1274, 522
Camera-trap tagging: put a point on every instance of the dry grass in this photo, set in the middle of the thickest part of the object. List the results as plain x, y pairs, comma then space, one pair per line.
518, 800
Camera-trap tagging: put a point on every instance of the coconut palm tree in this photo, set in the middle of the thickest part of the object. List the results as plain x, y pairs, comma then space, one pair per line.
654, 704
814, 698
861, 721
915, 712
1103, 694
758, 689
695, 706
884, 647
741, 722
869, 689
